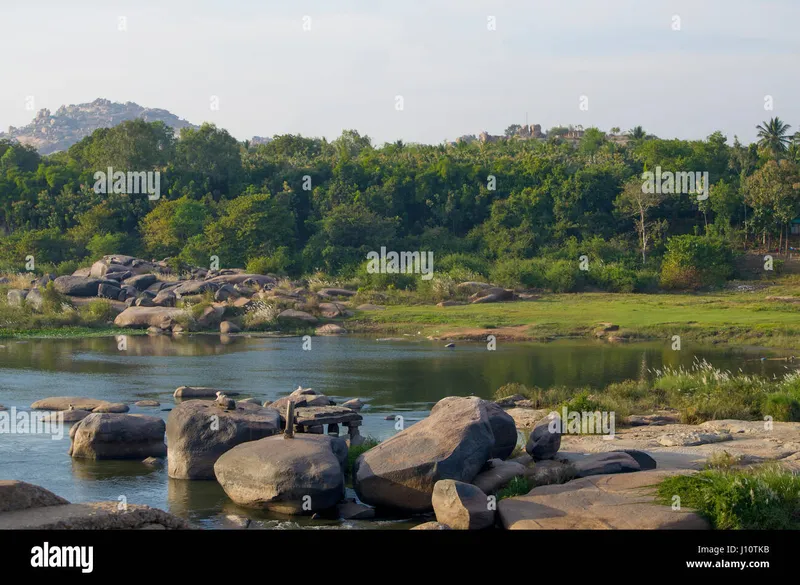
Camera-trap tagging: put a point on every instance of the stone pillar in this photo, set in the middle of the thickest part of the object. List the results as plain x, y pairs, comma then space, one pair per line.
333, 430
352, 431
288, 433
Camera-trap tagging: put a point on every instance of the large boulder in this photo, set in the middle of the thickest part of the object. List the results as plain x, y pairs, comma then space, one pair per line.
199, 432
492, 295
79, 286
143, 317
108, 291
461, 506
194, 287
35, 299
299, 475
141, 281
504, 429
211, 315
118, 436
165, 298
545, 439
18, 495
16, 297
453, 442
292, 317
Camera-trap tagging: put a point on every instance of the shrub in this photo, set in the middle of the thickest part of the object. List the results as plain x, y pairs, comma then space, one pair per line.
693, 262
103, 244
54, 301
355, 451
518, 486
583, 402
782, 407
261, 314
100, 310
463, 262
564, 276
514, 272
613, 277
281, 262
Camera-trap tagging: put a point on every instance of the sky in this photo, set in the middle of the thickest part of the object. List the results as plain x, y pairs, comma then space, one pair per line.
680, 69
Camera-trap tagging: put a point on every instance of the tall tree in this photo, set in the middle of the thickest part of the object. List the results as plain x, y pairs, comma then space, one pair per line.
636, 202
773, 136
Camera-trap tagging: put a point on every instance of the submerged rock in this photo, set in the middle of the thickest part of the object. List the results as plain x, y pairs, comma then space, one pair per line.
118, 436
19, 495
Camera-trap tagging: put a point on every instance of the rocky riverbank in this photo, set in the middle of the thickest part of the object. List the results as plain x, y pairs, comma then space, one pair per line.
471, 464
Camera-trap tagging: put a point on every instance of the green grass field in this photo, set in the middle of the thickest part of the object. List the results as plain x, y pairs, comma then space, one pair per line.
732, 317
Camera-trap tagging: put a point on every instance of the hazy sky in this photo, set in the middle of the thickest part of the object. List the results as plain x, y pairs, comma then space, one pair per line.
455, 75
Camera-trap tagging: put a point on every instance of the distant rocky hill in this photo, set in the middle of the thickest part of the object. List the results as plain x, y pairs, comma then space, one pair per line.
50, 133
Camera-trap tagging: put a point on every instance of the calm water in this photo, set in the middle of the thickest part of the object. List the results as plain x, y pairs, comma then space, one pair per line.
392, 377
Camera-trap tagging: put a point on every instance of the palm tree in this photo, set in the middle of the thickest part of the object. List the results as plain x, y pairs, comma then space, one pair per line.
772, 136
637, 133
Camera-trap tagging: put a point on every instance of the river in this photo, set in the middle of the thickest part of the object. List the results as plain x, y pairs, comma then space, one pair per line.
402, 376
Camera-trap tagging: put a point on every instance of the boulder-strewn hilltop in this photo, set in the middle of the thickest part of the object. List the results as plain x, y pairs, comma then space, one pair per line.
50, 133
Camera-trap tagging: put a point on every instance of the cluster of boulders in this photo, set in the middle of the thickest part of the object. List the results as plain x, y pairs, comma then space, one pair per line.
453, 464
145, 294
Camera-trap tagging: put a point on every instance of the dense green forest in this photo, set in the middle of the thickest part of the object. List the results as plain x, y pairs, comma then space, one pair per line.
519, 212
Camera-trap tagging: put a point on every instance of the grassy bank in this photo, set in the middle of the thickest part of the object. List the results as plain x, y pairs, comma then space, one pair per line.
761, 498
699, 394
732, 317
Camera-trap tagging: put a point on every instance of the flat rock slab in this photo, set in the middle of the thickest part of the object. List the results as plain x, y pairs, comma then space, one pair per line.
693, 439
753, 441
200, 392
64, 402
601, 502
91, 516
325, 415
